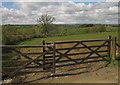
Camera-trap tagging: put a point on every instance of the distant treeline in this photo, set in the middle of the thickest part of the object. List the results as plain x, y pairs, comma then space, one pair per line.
11, 34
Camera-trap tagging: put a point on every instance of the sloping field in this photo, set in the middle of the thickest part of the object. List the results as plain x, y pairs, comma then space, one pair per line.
38, 41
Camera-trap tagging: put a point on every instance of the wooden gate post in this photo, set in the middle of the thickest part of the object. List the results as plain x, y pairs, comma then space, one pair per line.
109, 48
43, 55
114, 48
54, 54
119, 38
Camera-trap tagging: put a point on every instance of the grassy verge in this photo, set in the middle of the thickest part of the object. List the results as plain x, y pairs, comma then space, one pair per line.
38, 41
116, 62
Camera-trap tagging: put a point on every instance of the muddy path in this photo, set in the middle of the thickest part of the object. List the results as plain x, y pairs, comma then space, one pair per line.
96, 73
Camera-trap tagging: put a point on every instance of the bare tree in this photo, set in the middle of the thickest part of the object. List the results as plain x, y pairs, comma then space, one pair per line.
45, 20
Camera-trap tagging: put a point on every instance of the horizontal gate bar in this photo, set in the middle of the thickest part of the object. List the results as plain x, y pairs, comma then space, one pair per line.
21, 46
81, 58
72, 54
64, 61
34, 66
79, 47
36, 53
66, 42
92, 61
93, 57
31, 66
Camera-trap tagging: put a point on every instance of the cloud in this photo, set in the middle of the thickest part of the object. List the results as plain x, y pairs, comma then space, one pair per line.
112, 0
33, 0
60, 0
12, 16
1, 13
41, 0
64, 12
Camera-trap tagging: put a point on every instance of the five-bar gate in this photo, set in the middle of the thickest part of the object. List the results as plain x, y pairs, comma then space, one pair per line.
53, 55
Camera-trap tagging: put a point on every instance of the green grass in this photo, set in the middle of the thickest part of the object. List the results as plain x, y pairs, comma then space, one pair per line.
115, 62
38, 41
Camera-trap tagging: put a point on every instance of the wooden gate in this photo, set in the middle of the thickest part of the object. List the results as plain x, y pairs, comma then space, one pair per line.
80, 52
53, 55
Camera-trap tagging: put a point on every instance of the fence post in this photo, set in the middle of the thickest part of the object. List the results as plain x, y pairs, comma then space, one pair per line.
114, 48
43, 55
54, 51
109, 48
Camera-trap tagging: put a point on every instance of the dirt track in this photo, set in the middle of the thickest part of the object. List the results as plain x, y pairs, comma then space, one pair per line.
94, 74
103, 75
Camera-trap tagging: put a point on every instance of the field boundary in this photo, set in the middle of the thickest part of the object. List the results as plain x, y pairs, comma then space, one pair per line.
51, 55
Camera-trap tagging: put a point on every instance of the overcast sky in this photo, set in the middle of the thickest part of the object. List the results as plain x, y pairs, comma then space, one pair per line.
65, 12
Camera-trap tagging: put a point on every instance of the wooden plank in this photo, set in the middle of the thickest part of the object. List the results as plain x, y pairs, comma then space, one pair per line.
114, 48
36, 53
94, 46
93, 57
79, 58
13, 68
28, 67
109, 49
67, 42
22, 46
74, 54
44, 56
92, 61
33, 66
54, 55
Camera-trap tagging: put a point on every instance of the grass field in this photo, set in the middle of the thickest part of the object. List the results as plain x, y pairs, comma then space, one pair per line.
38, 41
